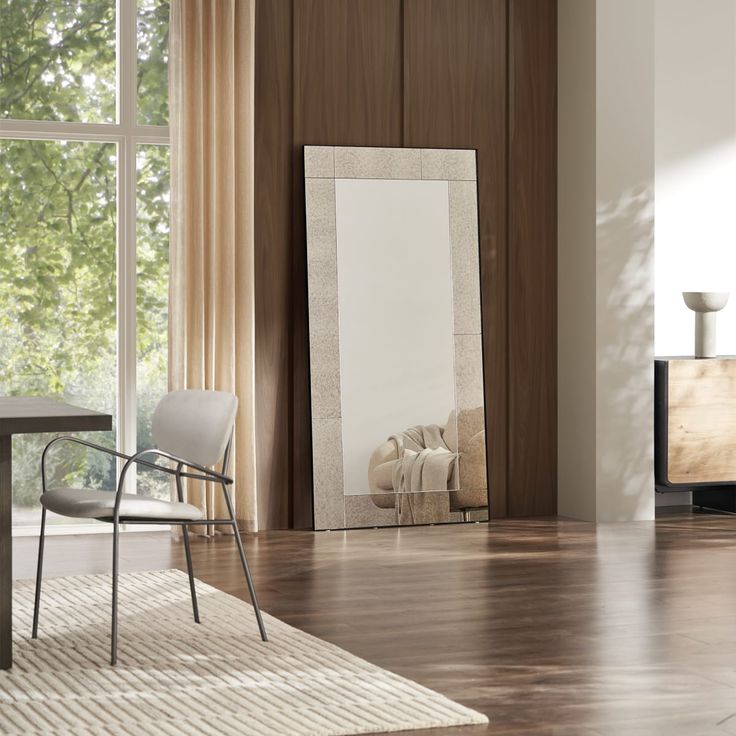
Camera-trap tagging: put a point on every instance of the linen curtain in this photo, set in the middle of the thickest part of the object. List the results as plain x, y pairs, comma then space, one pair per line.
211, 312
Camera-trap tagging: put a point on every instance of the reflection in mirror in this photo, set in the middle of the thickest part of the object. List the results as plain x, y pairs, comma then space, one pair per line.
395, 337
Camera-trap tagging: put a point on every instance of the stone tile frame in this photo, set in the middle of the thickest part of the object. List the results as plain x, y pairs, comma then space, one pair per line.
322, 166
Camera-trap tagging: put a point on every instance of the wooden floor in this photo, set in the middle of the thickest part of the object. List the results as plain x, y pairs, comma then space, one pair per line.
550, 627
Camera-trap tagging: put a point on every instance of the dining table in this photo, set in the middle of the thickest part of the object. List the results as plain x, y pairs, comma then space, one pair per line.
28, 415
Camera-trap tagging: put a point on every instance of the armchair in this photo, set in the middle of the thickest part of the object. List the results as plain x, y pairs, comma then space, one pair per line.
193, 430
464, 435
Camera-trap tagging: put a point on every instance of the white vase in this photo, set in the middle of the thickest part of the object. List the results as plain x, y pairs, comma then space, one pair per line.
705, 304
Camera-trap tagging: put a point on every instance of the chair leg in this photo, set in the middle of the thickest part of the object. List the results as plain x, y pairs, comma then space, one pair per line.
190, 569
39, 575
114, 631
244, 562
249, 580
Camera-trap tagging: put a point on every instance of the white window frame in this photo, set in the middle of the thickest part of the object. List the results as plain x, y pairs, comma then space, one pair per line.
127, 134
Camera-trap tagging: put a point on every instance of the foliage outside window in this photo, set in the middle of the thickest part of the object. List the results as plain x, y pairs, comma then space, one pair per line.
60, 212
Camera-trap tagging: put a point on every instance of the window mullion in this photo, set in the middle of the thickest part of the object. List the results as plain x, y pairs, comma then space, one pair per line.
126, 288
51, 130
126, 75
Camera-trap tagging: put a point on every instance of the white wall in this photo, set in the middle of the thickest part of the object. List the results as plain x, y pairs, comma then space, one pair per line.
695, 134
606, 247
625, 259
653, 84
695, 179
576, 259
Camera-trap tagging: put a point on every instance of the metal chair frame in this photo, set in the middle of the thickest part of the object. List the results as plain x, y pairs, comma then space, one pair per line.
202, 473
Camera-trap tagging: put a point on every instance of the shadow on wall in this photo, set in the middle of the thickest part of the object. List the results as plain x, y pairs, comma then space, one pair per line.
624, 356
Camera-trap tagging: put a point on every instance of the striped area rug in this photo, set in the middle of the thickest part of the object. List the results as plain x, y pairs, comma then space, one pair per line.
176, 677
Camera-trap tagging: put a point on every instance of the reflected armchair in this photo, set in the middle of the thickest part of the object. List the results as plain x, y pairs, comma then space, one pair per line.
193, 430
463, 434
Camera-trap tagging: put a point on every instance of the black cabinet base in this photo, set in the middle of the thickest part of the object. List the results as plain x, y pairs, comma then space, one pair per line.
718, 499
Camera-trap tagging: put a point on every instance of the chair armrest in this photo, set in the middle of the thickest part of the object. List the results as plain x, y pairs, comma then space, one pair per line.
76, 441
203, 474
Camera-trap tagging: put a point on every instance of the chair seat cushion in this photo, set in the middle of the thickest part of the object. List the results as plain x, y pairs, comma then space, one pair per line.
85, 503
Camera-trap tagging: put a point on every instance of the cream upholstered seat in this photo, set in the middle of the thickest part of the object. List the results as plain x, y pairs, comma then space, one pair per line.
86, 503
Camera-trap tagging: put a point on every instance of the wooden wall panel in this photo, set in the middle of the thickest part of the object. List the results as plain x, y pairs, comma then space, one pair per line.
455, 97
413, 73
532, 275
347, 72
273, 237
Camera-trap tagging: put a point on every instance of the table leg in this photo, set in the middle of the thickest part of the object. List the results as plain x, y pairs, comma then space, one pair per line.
6, 559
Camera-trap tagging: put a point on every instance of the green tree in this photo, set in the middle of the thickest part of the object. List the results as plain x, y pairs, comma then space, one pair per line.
153, 61
58, 215
57, 60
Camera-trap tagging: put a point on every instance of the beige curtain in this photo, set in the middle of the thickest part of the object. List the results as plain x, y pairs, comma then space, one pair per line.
211, 312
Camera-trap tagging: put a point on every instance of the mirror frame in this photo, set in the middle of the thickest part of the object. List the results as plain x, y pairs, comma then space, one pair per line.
332, 508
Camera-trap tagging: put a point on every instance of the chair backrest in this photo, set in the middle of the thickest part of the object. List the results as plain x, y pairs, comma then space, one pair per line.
194, 424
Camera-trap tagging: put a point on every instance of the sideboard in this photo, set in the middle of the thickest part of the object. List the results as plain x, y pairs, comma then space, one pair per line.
695, 429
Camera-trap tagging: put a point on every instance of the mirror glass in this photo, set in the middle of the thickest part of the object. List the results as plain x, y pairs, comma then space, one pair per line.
398, 424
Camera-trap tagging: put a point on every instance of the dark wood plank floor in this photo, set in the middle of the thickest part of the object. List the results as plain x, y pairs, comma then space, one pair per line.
550, 627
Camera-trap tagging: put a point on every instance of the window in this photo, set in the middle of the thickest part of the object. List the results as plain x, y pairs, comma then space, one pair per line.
84, 197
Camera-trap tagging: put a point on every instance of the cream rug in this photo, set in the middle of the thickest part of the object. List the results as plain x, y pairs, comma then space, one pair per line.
176, 677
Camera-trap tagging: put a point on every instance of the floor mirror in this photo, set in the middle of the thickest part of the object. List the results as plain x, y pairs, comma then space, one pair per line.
396, 354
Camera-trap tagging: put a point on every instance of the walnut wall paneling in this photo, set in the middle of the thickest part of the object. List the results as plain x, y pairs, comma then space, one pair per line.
432, 73
532, 258
273, 281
